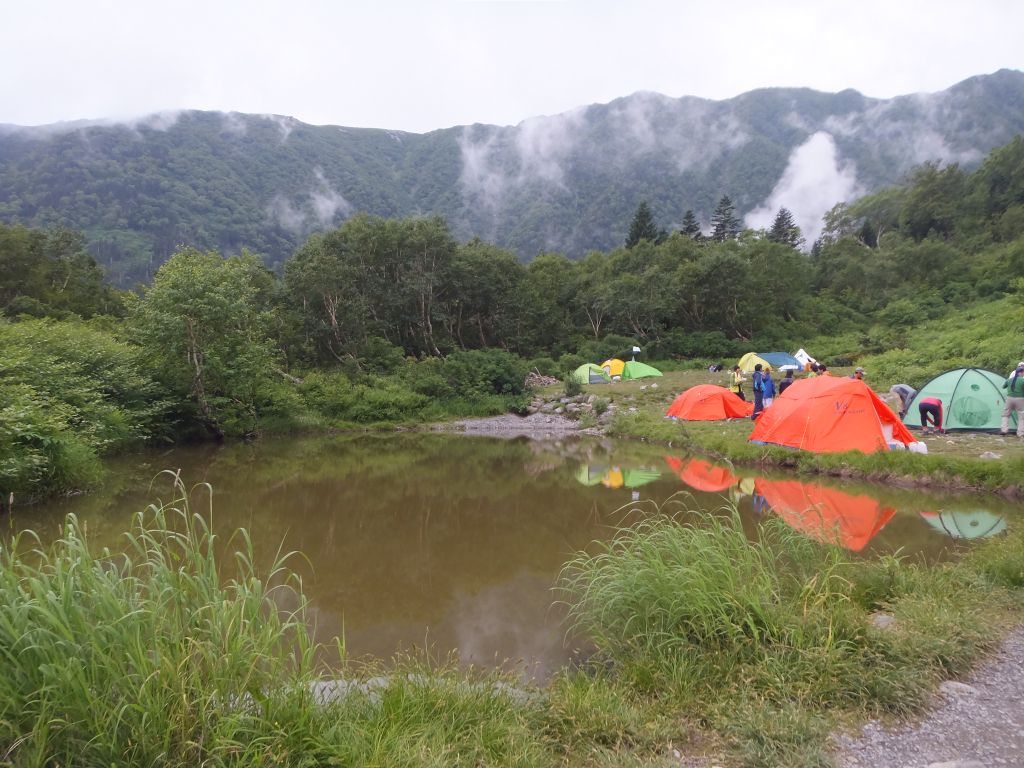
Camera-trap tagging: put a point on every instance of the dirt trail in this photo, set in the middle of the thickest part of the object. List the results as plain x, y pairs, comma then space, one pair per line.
976, 723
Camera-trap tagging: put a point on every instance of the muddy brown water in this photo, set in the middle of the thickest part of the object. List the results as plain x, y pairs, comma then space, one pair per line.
453, 544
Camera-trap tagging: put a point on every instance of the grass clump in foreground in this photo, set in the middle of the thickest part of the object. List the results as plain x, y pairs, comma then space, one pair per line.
769, 642
167, 654
164, 655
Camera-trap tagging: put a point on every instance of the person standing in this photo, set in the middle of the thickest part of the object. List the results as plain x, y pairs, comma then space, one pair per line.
786, 381
758, 391
736, 387
930, 407
858, 374
1014, 387
767, 387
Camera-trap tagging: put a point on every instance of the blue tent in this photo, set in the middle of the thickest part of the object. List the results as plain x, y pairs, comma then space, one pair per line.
778, 359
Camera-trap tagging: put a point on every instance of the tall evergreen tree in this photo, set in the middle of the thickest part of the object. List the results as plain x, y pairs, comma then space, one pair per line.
725, 225
643, 226
690, 226
784, 230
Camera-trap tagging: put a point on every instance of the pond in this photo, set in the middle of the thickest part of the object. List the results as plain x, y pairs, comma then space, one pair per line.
451, 543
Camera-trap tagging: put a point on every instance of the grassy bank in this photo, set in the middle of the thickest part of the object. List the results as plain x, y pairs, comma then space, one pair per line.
953, 460
183, 651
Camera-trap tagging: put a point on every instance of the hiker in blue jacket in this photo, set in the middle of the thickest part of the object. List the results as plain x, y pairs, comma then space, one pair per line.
767, 387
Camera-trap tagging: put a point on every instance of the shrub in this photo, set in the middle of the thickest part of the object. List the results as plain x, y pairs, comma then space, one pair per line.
480, 372
572, 386
545, 366
380, 356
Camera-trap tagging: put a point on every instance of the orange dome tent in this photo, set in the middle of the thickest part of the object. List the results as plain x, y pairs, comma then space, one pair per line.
828, 415
707, 402
701, 475
824, 513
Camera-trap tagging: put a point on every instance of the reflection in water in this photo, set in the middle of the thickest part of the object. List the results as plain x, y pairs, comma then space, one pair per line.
701, 475
453, 543
824, 513
616, 477
966, 525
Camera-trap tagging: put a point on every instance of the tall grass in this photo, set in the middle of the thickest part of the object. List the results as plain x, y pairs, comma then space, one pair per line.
765, 635
171, 654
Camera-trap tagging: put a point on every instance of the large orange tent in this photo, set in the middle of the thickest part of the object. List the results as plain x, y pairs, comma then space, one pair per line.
824, 513
708, 402
702, 475
828, 415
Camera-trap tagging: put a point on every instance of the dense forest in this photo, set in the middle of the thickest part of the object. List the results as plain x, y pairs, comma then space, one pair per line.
566, 183
392, 320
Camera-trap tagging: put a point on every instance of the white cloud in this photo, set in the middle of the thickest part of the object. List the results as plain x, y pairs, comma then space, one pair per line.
815, 180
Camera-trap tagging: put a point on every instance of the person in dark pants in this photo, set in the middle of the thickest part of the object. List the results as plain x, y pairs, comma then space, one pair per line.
930, 407
758, 392
786, 381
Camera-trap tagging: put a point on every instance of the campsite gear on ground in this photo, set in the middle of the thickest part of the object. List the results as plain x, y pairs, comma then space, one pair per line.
777, 360
637, 370
930, 409
737, 379
972, 399
1014, 387
588, 373
830, 415
825, 513
613, 367
708, 402
966, 525
905, 393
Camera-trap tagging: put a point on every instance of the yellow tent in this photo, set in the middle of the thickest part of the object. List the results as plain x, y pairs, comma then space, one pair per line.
749, 360
614, 366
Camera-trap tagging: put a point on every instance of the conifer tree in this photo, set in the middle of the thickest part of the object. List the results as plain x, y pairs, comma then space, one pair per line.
725, 225
690, 226
784, 230
643, 226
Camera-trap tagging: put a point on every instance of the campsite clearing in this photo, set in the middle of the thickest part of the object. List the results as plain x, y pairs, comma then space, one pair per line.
969, 459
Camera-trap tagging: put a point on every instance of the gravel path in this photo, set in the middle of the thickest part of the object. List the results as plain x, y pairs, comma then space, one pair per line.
976, 723
535, 425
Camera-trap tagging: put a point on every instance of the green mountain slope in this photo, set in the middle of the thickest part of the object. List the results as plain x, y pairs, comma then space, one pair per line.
567, 183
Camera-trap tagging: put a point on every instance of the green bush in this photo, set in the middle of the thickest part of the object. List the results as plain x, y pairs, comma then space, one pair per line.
545, 366
337, 398
380, 356
481, 372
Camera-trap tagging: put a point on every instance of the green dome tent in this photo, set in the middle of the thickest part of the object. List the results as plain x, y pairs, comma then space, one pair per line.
588, 373
972, 400
636, 370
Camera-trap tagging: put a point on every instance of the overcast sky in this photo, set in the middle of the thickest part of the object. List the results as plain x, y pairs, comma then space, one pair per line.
417, 66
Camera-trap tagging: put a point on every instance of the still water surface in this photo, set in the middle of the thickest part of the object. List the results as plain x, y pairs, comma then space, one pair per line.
453, 543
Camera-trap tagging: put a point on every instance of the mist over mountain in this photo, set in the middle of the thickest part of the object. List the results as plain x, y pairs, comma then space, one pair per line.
568, 183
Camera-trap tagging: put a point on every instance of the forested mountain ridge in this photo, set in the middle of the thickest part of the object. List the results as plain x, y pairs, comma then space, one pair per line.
568, 183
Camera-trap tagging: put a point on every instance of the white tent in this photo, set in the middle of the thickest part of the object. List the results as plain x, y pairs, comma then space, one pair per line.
803, 357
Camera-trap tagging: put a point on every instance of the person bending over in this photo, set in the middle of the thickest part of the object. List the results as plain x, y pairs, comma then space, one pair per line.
930, 408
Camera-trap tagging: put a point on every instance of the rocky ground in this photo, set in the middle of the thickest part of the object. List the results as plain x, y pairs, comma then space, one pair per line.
975, 723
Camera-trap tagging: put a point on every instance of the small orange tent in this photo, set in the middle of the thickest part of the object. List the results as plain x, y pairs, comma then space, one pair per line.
707, 402
824, 513
829, 415
701, 475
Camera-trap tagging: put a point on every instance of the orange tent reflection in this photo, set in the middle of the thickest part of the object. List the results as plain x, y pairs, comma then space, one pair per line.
824, 513
702, 475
